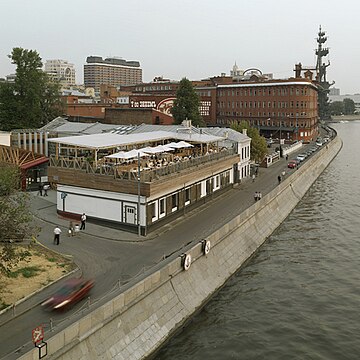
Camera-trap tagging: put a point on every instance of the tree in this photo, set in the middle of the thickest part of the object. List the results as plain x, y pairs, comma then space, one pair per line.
349, 106
337, 108
32, 100
186, 104
258, 148
15, 216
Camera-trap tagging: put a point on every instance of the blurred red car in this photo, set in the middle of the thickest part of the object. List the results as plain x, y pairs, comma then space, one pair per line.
70, 293
292, 164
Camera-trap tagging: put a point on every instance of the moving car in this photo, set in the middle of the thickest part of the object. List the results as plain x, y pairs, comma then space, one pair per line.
70, 293
292, 164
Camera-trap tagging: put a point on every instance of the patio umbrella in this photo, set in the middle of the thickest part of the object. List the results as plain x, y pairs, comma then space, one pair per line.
128, 154
184, 144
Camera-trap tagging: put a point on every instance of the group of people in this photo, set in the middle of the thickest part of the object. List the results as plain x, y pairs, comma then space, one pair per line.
257, 195
71, 231
44, 188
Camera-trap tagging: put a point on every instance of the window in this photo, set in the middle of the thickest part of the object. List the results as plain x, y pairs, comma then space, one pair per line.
162, 208
174, 202
216, 183
153, 211
187, 196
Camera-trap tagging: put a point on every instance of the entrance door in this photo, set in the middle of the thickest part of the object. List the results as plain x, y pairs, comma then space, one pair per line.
130, 214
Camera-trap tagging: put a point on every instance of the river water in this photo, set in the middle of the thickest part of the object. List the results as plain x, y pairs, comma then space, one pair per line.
299, 296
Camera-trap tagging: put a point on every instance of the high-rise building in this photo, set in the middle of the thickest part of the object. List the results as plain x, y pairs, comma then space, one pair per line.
61, 70
111, 71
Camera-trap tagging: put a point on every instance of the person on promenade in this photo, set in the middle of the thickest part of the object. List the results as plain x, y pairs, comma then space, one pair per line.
83, 221
40, 189
71, 231
256, 196
46, 188
57, 232
279, 179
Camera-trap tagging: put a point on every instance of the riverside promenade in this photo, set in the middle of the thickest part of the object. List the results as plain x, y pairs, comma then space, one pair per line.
114, 257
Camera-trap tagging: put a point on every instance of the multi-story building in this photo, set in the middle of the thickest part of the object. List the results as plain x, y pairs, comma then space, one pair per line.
145, 186
111, 71
61, 70
275, 106
288, 106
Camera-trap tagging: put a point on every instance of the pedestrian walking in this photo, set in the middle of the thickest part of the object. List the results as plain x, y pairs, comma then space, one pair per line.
40, 189
71, 231
46, 188
253, 177
256, 196
279, 179
286, 157
83, 221
57, 232
260, 195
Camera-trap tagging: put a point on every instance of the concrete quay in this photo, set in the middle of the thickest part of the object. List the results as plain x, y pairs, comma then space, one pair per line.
150, 308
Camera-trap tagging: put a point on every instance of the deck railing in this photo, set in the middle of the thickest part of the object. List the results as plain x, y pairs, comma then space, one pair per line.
146, 174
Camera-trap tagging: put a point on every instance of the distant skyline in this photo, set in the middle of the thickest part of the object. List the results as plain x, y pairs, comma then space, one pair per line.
193, 39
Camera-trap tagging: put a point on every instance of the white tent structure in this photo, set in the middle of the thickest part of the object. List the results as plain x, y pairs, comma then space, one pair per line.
179, 145
157, 149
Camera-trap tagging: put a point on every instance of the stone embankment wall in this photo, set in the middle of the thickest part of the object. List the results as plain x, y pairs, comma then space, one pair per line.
135, 323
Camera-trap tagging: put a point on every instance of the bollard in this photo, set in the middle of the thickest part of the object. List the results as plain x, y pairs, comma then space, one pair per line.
51, 325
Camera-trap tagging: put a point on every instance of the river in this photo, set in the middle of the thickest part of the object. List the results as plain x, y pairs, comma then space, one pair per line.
299, 296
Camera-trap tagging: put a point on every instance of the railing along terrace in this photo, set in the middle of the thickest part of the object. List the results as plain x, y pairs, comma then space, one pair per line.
146, 174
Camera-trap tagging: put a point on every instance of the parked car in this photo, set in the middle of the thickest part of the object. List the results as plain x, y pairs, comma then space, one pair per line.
70, 293
319, 143
292, 164
301, 157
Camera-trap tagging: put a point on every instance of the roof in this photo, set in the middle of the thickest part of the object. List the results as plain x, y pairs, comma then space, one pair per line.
227, 133
110, 140
266, 83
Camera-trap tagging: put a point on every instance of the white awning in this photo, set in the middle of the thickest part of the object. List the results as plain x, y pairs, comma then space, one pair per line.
127, 155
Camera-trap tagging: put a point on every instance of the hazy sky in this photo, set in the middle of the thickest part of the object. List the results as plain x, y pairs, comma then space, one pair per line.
192, 38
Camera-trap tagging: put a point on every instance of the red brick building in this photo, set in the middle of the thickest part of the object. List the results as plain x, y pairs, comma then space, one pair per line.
285, 109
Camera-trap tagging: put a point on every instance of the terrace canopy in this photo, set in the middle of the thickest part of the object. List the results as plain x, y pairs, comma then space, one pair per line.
132, 154
108, 141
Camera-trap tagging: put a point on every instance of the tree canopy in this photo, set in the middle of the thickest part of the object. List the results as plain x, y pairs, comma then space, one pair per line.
347, 107
15, 218
186, 104
15, 215
32, 100
258, 148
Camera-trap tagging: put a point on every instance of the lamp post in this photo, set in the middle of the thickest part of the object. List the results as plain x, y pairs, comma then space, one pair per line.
281, 153
138, 204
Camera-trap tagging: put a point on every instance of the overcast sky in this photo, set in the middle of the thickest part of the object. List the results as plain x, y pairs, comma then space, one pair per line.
187, 38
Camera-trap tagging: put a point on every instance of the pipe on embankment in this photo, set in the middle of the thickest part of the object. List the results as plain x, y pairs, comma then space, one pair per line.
135, 323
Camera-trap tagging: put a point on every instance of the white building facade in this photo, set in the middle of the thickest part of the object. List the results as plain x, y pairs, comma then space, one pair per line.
61, 70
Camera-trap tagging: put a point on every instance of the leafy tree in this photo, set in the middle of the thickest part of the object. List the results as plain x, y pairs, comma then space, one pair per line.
258, 147
14, 211
349, 106
32, 100
186, 104
337, 108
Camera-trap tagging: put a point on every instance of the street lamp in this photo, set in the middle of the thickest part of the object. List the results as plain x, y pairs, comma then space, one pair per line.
138, 204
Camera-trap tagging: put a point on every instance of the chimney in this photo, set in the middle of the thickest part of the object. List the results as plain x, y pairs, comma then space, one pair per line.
244, 131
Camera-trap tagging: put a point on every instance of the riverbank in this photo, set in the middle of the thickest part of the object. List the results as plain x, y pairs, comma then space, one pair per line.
339, 118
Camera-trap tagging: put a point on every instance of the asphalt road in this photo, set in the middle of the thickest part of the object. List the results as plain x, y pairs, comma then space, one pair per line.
112, 257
